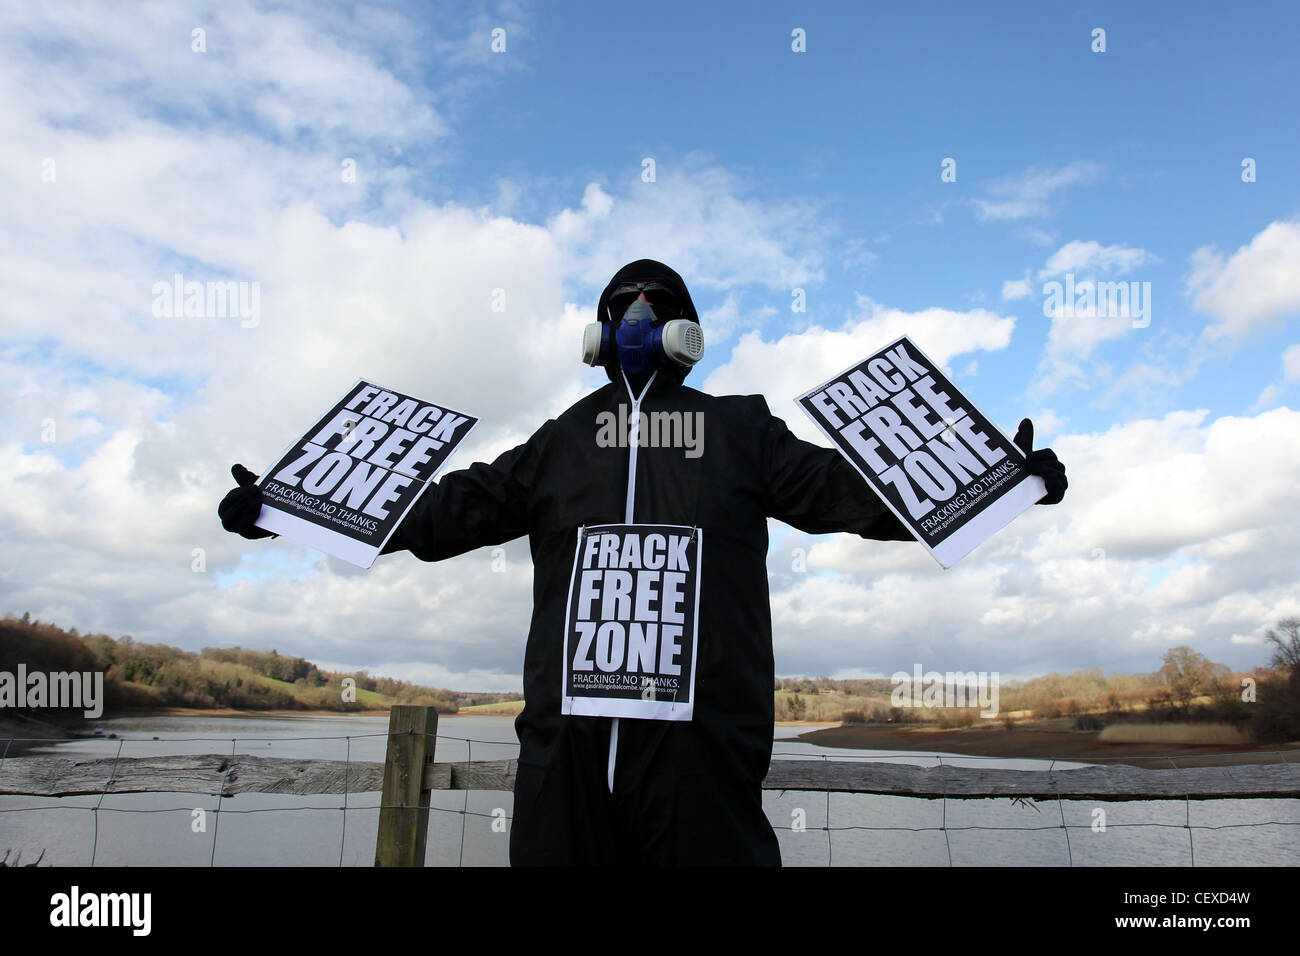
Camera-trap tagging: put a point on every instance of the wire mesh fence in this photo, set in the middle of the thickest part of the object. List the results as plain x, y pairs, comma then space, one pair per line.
822, 821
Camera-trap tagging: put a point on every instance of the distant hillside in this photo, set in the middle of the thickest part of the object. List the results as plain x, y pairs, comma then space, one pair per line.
1264, 701
143, 676
1188, 688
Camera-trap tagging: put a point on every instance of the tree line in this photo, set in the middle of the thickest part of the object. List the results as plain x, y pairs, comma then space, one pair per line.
141, 676
1188, 686
1264, 701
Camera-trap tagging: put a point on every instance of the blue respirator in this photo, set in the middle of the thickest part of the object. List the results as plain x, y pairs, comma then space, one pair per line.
642, 341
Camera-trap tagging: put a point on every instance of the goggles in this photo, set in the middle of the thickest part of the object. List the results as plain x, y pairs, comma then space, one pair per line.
661, 298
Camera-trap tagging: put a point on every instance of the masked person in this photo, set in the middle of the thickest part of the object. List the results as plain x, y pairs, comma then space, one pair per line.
612, 790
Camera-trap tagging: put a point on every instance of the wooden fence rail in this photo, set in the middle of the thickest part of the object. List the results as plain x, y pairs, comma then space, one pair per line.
409, 774
224, 775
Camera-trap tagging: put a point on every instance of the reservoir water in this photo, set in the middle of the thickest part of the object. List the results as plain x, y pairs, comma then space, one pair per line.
814, 829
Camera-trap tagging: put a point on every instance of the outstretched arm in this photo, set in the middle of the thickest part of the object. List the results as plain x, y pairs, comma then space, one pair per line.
473, 507
817, 491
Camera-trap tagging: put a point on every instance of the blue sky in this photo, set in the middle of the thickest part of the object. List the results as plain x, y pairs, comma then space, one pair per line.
775, 171
855, 128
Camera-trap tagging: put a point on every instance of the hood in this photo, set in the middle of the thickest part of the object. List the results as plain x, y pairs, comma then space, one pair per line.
647, 269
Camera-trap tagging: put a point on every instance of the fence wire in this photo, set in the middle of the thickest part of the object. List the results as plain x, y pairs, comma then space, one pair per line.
464, 812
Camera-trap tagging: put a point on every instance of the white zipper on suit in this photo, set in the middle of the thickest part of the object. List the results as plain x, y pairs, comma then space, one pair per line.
633, 440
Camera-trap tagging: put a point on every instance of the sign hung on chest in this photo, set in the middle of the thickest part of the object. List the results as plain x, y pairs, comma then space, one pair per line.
630, 635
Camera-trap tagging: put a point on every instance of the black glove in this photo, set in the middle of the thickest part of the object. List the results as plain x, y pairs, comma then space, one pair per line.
240, 508
1042, 463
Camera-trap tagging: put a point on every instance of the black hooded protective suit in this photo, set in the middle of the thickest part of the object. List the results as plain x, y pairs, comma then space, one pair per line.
683, 791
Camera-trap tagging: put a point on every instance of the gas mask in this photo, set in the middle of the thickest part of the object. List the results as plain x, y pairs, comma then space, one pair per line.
642, 336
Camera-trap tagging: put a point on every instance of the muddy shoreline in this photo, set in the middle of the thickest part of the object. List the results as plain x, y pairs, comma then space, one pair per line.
1036, 743
1073, 745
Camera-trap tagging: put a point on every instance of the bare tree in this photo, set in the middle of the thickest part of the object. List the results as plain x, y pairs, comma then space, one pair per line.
1188, 674
1286, 657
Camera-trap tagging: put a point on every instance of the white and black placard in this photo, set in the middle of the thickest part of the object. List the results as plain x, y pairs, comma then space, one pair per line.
630, 631
346, 484
939, 464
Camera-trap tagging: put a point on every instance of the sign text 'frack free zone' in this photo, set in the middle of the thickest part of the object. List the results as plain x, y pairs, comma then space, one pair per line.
925, 449
630, 633
346, 484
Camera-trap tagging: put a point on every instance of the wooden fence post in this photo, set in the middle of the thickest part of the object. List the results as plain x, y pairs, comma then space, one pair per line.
404, 813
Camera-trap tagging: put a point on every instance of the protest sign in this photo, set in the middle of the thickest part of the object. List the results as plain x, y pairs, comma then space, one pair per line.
348, 482
630, 634
942, 467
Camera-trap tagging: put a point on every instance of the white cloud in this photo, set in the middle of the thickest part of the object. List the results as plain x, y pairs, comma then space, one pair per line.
1155, 486
1030, 194
289, 72
696, 218
1273, 393
787, 366
1046, 424
1071, 341
1081, 310
145, 467
1093, 258
1291, 364
101, 524
858, 255
1170, 533
1086, 310
1268, 397
1254, 289
1014, 289
721, 321
1140, 381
